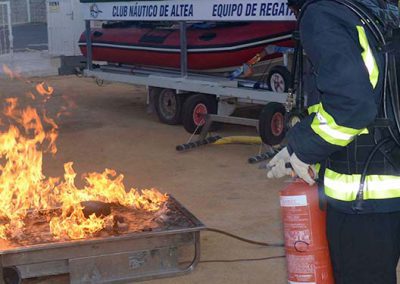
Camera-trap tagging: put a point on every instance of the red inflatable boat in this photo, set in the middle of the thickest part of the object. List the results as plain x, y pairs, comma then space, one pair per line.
210, 46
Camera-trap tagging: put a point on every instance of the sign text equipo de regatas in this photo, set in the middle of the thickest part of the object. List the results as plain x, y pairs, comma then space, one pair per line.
187, 10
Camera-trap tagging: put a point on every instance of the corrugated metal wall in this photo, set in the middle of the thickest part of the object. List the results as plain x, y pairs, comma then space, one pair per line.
38, 11
20, 13
5, 28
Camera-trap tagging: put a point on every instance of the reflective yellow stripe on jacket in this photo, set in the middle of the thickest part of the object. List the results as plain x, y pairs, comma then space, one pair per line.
368, 57
326, 127
345, 187
313, 109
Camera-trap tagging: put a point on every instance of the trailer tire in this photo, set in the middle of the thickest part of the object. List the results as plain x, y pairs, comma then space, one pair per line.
193, 110
168, 105
11, 275
279, 79
272, 124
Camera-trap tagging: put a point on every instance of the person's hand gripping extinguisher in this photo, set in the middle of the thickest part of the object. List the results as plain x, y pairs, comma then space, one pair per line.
285, 164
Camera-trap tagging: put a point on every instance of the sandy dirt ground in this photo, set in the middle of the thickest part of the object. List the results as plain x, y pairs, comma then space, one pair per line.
110, 128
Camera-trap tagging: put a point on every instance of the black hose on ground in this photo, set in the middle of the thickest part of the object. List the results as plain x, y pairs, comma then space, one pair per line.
244, 239
241, 259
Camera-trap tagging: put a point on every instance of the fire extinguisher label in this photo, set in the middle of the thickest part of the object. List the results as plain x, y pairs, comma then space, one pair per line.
302, 269
297, 233
293, 201
297, 222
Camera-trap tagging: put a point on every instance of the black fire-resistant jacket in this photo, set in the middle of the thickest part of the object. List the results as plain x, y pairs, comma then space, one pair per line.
346, 100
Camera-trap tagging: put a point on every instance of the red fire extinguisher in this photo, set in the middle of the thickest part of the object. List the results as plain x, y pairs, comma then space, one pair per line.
306, 246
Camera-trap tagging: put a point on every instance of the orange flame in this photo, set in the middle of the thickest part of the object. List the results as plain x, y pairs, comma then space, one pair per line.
10, 73
24, 188
44, 90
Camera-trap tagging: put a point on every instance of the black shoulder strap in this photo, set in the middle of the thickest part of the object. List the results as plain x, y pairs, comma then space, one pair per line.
304, 7
370, 21
393, 44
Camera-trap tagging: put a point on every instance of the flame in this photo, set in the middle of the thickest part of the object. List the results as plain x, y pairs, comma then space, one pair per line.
10, 73
44, 90
24, 188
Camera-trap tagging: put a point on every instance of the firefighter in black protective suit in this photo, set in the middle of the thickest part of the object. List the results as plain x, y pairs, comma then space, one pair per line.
344, 98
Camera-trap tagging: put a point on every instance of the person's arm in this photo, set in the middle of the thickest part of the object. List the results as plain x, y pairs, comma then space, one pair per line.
347, 102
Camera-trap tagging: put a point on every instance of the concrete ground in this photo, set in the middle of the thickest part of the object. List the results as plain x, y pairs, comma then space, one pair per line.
30, 57
31, 63
109, 127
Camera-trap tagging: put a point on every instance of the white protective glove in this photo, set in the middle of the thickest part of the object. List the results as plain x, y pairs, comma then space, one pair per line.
306, 172
277, 166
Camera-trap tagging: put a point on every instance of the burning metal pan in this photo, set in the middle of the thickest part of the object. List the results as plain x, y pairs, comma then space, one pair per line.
171, 249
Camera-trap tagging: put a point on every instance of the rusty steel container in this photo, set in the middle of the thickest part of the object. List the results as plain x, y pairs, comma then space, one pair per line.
306, 246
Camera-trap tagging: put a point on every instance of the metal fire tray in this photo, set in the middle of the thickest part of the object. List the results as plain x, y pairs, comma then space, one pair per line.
170, 251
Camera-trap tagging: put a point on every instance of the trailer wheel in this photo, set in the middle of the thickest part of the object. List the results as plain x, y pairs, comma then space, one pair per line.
272, 124
279, 79
168, 106
194, 110
11, 275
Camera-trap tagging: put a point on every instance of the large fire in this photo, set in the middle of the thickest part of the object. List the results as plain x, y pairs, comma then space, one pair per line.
25, 134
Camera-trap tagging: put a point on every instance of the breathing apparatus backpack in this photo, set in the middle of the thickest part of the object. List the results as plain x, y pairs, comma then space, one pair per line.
385, 27
383, 20
384, 24
387, 34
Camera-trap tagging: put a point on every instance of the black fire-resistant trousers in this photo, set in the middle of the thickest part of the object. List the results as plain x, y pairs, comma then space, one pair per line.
364, 248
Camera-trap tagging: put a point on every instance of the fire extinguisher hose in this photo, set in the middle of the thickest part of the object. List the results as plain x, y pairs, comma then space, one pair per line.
241, 259
244, 239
